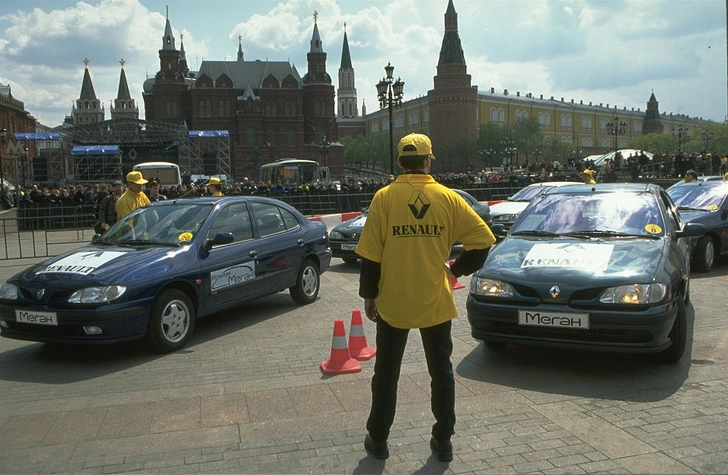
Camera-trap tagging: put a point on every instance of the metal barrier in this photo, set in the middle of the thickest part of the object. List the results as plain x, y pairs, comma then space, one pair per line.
42, 235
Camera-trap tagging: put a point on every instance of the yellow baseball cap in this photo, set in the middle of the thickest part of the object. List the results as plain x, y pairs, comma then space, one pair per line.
214, 181
136, 178
420, 142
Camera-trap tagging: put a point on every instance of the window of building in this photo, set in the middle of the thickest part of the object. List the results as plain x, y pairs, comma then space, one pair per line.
250, 136
427, 115
291, 137
586, 122
587, 142
606, 143
272, 138
544, 118
399, 121
375, 127
385, 125
565, 121
413, 118
637, 126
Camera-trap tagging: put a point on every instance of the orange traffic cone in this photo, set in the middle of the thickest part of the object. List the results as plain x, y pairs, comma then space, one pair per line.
454, 283
341, 361
358, 347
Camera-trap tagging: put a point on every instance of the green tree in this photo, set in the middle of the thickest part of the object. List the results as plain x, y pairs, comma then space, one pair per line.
527, 136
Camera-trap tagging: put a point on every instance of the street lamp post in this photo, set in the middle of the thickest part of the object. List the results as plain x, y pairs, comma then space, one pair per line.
682, 135
324, 147
508, 149
389, 93
616, 128
706, 135
3, 142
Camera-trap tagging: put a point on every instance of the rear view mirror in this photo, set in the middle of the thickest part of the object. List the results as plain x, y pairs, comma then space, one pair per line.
692, 230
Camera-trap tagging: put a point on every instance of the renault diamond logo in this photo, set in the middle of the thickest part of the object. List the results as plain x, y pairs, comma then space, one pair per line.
555, 291
40, 293
418, 204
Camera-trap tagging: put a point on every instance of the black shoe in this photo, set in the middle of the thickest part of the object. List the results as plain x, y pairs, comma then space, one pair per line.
443, 449
378, 448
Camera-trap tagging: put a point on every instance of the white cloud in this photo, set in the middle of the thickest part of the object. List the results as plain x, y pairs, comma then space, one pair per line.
615, 52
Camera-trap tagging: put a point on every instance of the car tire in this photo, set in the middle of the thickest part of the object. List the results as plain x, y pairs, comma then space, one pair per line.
308, 283
705, 254
678, 335
349, 260
171, 322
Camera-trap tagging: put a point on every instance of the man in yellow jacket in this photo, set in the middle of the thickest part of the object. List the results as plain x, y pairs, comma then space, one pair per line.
133, 197
405, 282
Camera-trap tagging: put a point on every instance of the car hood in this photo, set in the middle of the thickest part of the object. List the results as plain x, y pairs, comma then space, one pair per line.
354, 224
698, 216
107, 265
507, 207
577, 264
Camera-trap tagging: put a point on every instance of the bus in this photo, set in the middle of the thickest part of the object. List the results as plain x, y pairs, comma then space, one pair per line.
294, 171
167, 173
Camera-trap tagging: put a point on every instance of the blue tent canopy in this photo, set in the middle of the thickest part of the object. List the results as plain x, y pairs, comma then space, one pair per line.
95, 150
37, 136
209, 133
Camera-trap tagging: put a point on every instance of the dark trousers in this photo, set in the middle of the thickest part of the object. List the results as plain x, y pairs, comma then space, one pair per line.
391, 343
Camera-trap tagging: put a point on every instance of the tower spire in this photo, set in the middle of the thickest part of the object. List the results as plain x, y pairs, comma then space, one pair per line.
240, 47
316, 45
168, 38
123, 92
87, 87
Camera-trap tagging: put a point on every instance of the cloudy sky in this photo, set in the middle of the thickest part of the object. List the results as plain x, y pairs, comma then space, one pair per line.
614, 52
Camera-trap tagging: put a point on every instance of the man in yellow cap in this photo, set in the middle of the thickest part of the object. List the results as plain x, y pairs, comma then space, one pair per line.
215, 186
133, 197
588, 176
405, 284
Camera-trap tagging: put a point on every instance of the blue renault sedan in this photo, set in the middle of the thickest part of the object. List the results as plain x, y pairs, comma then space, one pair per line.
158, 270
601, 267
705, 202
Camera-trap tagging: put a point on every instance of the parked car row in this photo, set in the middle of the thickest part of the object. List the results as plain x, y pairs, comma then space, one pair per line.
601, 267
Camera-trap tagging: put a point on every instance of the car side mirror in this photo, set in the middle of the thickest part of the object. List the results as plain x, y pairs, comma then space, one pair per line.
219, 239
498, 230
691, 230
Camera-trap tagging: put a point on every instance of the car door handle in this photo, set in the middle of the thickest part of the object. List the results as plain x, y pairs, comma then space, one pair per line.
301, 242
253, 253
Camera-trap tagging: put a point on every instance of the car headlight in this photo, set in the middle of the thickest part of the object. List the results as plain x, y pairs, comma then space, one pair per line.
505, 217
97, 294
335, 235
491, 288
9, 292
634, 293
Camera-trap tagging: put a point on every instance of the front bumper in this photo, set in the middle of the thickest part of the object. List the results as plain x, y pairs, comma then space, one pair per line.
619, 330
118, 322
344, 249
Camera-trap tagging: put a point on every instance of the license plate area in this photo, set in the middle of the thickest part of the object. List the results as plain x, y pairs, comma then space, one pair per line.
348, 247
36, 318
553, 319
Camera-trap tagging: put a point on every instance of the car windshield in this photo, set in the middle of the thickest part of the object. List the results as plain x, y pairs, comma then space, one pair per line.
528, 193
592, 215
164, 225
705, 198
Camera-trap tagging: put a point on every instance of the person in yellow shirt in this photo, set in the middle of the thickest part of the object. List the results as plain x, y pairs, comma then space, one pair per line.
725, 177
405, 283
691, 176
215, 186
588, 176
133, 197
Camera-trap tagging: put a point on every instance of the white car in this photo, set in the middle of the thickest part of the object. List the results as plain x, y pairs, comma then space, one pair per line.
506, 212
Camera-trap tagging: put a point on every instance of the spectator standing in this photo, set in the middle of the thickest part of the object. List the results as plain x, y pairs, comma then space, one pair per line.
153, 191
8, 200
214, 186
405, 284
133, 197
107, 208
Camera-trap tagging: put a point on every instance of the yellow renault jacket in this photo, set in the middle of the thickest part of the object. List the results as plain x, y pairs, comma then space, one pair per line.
411, 227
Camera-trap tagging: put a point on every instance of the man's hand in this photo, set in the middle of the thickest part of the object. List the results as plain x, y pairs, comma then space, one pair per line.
370, 308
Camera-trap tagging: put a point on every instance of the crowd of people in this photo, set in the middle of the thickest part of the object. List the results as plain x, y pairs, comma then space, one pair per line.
90, 196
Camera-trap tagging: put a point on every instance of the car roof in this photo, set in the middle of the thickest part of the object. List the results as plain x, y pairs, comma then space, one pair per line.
554, 183
709, 183
604, 188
